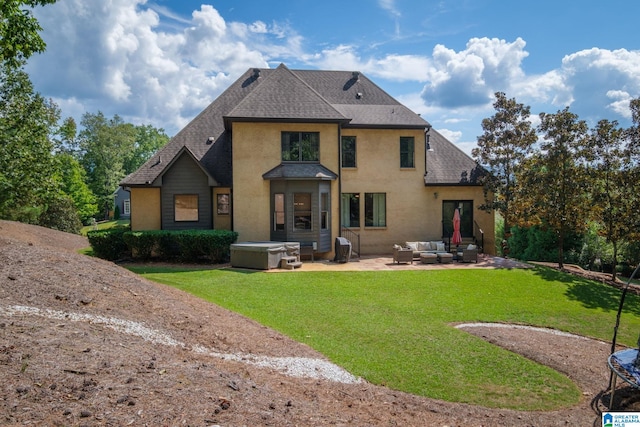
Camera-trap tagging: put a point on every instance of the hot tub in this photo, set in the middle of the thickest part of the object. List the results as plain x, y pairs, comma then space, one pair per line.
261, 255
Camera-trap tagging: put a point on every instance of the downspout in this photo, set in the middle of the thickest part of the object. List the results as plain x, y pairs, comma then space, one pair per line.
339, 180
427, 148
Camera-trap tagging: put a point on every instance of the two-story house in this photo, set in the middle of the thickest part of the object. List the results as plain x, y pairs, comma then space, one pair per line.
303, 155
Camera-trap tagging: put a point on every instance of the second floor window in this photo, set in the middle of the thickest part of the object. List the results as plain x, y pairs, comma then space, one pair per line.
300, 146
407, 152
348, 151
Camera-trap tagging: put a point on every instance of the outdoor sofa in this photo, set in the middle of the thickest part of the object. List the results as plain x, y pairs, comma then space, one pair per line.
432, 247
411, 250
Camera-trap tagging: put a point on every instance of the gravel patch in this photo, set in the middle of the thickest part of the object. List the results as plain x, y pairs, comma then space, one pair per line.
299, 367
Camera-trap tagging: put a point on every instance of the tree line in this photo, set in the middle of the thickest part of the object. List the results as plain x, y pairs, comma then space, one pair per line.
52, 172
562, 177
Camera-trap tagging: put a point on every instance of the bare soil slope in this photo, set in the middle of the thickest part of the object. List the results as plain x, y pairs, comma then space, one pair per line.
85, 342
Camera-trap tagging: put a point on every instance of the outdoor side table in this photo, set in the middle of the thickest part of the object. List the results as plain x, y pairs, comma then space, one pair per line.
427, 258
622, 364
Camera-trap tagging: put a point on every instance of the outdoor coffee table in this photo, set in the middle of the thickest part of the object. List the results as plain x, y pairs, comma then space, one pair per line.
427, 258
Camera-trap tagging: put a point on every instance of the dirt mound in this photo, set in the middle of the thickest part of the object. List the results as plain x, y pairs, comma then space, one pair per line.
85, 342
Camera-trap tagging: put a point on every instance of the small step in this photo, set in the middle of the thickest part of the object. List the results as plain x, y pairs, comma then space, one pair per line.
289, 262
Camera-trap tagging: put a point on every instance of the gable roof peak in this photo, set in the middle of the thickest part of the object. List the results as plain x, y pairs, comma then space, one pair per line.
284, 95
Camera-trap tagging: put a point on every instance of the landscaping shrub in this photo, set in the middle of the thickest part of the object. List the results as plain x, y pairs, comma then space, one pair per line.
183, 246
60, 214
537, 244
142, 244
109, 244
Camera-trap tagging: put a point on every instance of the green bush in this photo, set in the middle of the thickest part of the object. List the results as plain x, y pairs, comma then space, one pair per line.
183, 245
142, 244
60, 214
109, 244
537, 244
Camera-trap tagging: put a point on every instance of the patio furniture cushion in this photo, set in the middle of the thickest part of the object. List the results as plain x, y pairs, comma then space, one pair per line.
412, 245
468, 254
401, 254
445, 258
428, 258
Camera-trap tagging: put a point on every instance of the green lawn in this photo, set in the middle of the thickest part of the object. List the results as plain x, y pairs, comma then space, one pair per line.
395, 328
104, 225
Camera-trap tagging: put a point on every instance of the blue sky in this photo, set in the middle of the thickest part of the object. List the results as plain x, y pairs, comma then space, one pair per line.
161, 62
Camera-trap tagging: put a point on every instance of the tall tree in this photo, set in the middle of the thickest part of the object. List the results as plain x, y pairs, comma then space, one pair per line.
609, 186
19, 31
506, 142
27, 121
553, 186
633, 167
103, 147
73, 180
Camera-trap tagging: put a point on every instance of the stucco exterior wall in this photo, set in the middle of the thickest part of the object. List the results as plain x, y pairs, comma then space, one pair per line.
378, 171
413, 212
145, 209
256, 150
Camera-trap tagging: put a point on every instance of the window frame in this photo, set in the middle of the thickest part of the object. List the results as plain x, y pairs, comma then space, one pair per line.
349, 152
279, 211
407, 152
325, 212
189, 200
299, 146
302, 211
350, 203
222, 205
375, 216
126, 207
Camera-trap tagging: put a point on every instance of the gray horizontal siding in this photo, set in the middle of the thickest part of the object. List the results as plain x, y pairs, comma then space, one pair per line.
186, 177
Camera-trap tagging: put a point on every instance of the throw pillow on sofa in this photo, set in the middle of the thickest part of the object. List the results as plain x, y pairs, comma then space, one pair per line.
412, 245
424, 246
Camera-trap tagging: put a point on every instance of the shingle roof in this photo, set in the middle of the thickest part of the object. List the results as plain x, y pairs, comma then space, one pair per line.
284, 96
448, 165
300, 171
344, 97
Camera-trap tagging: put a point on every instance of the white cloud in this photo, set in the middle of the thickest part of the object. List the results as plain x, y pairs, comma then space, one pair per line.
602, 80
391, 67
471, 77
146, 63
390, 6
150, 65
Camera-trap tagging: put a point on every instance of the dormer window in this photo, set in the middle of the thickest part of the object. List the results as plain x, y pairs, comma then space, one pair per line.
300, 146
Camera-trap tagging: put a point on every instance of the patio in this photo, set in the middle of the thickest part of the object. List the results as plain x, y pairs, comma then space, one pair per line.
385, 263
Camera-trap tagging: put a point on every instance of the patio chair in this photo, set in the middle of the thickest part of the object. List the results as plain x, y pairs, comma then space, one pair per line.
403, 255
468, 255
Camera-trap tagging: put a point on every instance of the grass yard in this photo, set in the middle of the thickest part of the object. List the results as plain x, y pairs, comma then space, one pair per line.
105, 225
395, 328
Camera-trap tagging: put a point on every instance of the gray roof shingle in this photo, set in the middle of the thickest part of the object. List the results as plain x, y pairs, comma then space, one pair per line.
300, 171
448, 165
344, 97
